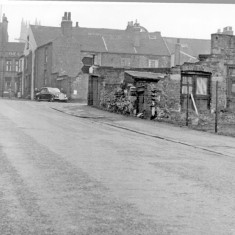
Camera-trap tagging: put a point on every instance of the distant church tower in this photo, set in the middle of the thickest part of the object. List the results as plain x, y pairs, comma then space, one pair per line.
23, 31
4, 29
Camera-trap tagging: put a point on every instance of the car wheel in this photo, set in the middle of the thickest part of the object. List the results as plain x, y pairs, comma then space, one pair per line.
37, 98
51, 99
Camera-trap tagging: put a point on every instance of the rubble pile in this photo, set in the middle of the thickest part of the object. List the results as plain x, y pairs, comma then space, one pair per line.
115, 101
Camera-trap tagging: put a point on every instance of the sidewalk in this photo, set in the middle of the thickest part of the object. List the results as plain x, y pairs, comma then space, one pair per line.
219, 144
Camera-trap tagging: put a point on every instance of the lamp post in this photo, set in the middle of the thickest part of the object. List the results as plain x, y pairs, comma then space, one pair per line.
32, 68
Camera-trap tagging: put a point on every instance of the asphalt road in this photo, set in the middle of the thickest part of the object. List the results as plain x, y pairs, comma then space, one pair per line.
61, 174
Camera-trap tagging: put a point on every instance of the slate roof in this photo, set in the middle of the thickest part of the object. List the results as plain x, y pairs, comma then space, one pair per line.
45, 34
189, 47
14, 47
104, 40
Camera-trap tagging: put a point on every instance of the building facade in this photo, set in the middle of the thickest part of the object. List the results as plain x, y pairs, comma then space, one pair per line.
132, 47
10, 85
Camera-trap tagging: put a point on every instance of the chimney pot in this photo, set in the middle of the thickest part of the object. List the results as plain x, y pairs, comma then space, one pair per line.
66, 24
65, 16
69, 16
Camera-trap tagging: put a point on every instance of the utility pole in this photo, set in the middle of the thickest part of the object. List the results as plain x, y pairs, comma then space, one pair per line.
216, 108
187, 102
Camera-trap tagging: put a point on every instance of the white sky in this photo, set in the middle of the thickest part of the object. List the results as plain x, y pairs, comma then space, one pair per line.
171, 19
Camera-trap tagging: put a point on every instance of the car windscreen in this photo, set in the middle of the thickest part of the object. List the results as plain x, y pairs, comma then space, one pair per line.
53, 90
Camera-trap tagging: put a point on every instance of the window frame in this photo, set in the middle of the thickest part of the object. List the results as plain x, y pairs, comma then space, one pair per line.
126, 62
17, 65
8, 65
156, 63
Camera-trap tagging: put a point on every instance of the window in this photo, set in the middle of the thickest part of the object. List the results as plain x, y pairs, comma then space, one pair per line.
17, 66
151, 36
8, 65
231, 72
125, 62
201, 87
27, 44
233, 88
26, 62
153, 63
46, 55
185, 81
43, 90
7, 84
20, 66
45, 78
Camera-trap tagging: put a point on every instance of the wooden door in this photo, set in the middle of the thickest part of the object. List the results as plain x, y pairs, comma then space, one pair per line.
140, 102
95, 91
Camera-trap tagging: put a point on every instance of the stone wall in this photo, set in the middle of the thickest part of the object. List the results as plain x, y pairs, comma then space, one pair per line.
113, 96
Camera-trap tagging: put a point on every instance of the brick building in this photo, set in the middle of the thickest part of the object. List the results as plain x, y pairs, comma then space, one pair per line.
132, 47
10, 84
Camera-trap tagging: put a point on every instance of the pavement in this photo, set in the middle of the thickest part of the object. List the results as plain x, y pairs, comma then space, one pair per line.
221, 145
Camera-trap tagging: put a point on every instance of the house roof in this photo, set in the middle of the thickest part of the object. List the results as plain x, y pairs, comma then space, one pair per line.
145, 75
190, 48
45, 34
104, 40
14, 47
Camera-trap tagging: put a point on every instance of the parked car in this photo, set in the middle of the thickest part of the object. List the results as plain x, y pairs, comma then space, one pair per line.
51, 94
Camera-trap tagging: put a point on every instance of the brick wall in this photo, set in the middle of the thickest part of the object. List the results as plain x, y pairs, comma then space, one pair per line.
80, 88
43, 70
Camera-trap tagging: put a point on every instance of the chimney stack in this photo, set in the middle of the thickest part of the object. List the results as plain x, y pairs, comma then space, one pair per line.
77, 25
228, 30
136, 29
66, 24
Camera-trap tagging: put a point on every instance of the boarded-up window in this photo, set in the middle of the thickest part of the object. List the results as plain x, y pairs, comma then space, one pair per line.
201, 88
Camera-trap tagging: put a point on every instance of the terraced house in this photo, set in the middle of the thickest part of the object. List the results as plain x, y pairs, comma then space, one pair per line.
10, 84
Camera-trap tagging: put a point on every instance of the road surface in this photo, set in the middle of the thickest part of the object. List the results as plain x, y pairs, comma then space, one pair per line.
61, 174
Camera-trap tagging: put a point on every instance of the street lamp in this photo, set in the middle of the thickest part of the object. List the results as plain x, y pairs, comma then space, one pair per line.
32, 70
